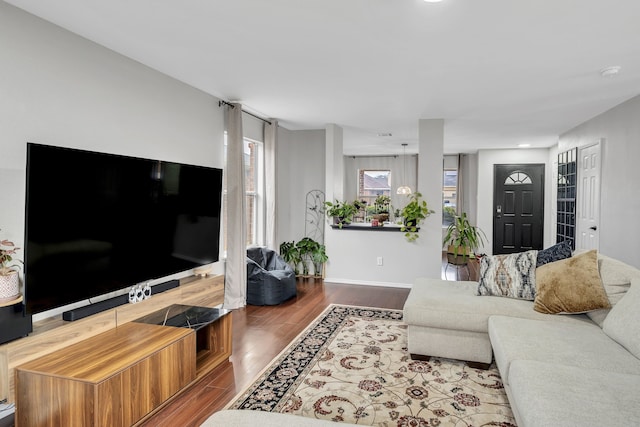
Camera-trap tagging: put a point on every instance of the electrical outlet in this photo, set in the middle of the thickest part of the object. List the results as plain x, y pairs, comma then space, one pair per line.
379, 260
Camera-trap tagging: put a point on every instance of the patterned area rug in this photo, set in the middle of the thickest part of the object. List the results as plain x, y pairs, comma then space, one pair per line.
351, 365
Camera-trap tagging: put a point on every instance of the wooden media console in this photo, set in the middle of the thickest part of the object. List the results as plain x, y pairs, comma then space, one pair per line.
204, 348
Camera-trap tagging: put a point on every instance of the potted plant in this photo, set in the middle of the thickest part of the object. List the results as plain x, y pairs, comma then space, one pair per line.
291, 255
306, 247
319, 257
414, 213
382, 205
361, 210
9, 279
342, 212
462, 239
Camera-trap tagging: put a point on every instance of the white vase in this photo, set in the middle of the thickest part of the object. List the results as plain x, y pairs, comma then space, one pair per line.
9, 286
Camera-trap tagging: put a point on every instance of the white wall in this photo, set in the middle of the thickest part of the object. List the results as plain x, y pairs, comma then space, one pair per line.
300, 168
57, 88
353, 254
486, 160
620, 180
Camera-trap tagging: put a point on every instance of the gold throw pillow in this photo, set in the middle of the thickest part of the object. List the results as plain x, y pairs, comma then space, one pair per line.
571, 285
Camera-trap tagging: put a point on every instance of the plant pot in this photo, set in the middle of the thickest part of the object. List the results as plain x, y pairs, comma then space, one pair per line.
317, 268
409, 223
462, 256
337, 220
9, 286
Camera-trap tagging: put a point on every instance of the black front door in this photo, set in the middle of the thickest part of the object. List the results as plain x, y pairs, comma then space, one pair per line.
518, 208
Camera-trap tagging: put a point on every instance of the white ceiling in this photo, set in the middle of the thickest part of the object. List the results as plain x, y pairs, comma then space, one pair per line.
500, 72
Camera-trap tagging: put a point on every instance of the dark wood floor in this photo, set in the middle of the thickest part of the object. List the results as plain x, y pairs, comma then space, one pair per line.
259, 335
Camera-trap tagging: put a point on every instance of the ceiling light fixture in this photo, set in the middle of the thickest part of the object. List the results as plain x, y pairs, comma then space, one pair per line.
404, 188
433, 1
610, 71
524, 145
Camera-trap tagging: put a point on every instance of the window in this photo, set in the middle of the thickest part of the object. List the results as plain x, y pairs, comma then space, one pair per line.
518, 178
254, 191
373, 183
449, 196
566, 202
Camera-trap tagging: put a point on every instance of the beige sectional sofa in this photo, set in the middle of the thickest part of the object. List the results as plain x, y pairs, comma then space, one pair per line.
558, 369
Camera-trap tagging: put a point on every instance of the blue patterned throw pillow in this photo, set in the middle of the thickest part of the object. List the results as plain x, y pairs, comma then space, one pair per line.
511, 276
556, 252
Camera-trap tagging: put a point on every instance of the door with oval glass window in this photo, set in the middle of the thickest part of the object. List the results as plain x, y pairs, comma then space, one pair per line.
518, 208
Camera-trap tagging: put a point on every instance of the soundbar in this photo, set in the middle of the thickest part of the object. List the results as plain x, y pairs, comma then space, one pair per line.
97, 307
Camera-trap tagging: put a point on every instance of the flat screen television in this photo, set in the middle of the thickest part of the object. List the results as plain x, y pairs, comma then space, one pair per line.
97, 223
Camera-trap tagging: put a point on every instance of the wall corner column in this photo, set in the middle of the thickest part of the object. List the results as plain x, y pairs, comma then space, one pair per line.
430, 158
334, 161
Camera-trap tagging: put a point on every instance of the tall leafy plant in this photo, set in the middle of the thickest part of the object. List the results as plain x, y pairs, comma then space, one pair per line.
306, 247
463, 237
304, 253
291, 254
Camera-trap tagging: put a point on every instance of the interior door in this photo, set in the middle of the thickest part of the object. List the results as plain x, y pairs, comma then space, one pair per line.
518, 208
588, 210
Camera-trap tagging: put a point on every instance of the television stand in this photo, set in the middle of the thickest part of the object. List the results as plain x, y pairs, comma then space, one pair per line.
120, 377
212, 326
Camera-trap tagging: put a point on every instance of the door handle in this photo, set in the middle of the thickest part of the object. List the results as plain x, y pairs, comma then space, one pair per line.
498, 211
594, 228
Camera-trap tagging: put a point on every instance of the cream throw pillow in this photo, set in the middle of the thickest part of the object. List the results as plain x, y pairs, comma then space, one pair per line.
623, 322
571, 285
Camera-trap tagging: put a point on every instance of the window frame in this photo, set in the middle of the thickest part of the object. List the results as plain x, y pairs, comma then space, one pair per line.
446, 220
256, 211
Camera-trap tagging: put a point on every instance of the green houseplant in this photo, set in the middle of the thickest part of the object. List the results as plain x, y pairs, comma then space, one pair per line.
303, 253
306, 247
342, 212
414, 213
319, 257
462, 239
291, 255
9, 279
382, 206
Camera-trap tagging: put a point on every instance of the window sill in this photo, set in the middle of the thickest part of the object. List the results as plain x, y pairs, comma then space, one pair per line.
367, 227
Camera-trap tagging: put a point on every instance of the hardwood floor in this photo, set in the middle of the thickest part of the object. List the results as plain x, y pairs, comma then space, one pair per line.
259, 335
451, 272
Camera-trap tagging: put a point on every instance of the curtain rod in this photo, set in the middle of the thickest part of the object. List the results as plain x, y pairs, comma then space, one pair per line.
221, 103
353, 156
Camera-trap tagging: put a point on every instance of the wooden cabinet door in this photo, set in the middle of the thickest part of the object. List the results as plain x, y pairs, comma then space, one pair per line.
150, 382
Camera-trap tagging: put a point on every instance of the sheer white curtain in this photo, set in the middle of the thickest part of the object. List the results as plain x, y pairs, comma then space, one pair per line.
270, 142
462, 171
396, 164
235, 287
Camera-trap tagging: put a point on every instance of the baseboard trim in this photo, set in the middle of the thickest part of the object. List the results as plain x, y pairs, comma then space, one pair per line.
367, 283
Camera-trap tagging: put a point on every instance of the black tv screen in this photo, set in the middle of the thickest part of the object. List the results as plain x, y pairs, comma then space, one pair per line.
97, 223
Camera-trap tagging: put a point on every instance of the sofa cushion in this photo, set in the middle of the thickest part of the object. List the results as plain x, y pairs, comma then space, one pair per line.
623, 322
571, 285
452, 305
581, 344
616, 277
512, 276
554, 253
547, 394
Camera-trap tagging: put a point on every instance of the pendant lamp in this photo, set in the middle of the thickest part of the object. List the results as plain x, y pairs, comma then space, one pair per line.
404, 188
